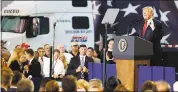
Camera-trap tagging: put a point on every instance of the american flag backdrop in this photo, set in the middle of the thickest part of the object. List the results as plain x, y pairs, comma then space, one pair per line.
164, 10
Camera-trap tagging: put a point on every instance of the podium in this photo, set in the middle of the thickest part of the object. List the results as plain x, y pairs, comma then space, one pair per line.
130, 52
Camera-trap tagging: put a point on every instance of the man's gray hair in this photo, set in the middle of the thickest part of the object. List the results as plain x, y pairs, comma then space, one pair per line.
25, 85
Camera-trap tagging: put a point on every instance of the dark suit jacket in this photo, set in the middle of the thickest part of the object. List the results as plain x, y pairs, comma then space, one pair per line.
75, 63
34, 69
3, 90
15, 66
152, 36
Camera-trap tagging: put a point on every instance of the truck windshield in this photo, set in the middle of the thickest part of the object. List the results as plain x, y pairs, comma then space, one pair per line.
13, 24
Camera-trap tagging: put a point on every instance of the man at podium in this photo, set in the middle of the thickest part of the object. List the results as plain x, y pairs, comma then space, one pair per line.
150, 29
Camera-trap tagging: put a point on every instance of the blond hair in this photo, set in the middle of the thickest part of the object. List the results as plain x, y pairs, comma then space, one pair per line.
16, 55
148, 8
64, 61
81, 83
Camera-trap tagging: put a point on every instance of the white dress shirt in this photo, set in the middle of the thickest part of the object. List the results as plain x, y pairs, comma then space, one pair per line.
82, 61
151, 23
46, 67
58, 67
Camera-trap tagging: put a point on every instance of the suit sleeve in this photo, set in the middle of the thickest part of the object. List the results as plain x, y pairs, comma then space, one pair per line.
71, 68
158, 32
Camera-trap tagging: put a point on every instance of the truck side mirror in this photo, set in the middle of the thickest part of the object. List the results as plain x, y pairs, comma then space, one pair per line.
33, 28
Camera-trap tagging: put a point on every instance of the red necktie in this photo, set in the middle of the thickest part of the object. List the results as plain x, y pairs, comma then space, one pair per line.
144, 28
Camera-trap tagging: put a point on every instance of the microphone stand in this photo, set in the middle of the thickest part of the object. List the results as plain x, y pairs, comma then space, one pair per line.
104, 55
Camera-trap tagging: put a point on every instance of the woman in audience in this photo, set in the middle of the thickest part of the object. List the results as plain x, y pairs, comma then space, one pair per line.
109, 55
95, 57
16, 60
64, 61
58, 66
82, 85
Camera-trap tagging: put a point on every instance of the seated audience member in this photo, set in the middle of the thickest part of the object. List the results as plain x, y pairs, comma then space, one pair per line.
149, 85
43, 84
79, 64
6, 78
121, 88
62, 51
47, 50
95, 57
69, 84
58, 70
25, 85
16, 78
82, 85
52, 86
95, 85
75, 49
111, 84
175, 86
163, 86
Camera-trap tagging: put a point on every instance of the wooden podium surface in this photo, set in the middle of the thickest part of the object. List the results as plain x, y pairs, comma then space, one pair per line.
127, 72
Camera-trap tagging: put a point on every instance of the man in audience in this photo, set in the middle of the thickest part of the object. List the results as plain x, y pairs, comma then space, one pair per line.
163, 86
79, 65
75, 49
43, 84
52, 86
33, 68
44, 62
47, 50
25, 85
16, 78
149, 85
69, 84
6, 78
62, 51
95, 85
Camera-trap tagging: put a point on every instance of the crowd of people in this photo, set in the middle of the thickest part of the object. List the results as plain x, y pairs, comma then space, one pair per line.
26, 69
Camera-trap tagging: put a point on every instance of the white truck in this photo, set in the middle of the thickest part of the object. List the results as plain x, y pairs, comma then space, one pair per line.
47, 22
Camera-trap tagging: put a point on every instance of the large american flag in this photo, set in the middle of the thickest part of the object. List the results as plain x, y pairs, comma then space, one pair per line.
164, 10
